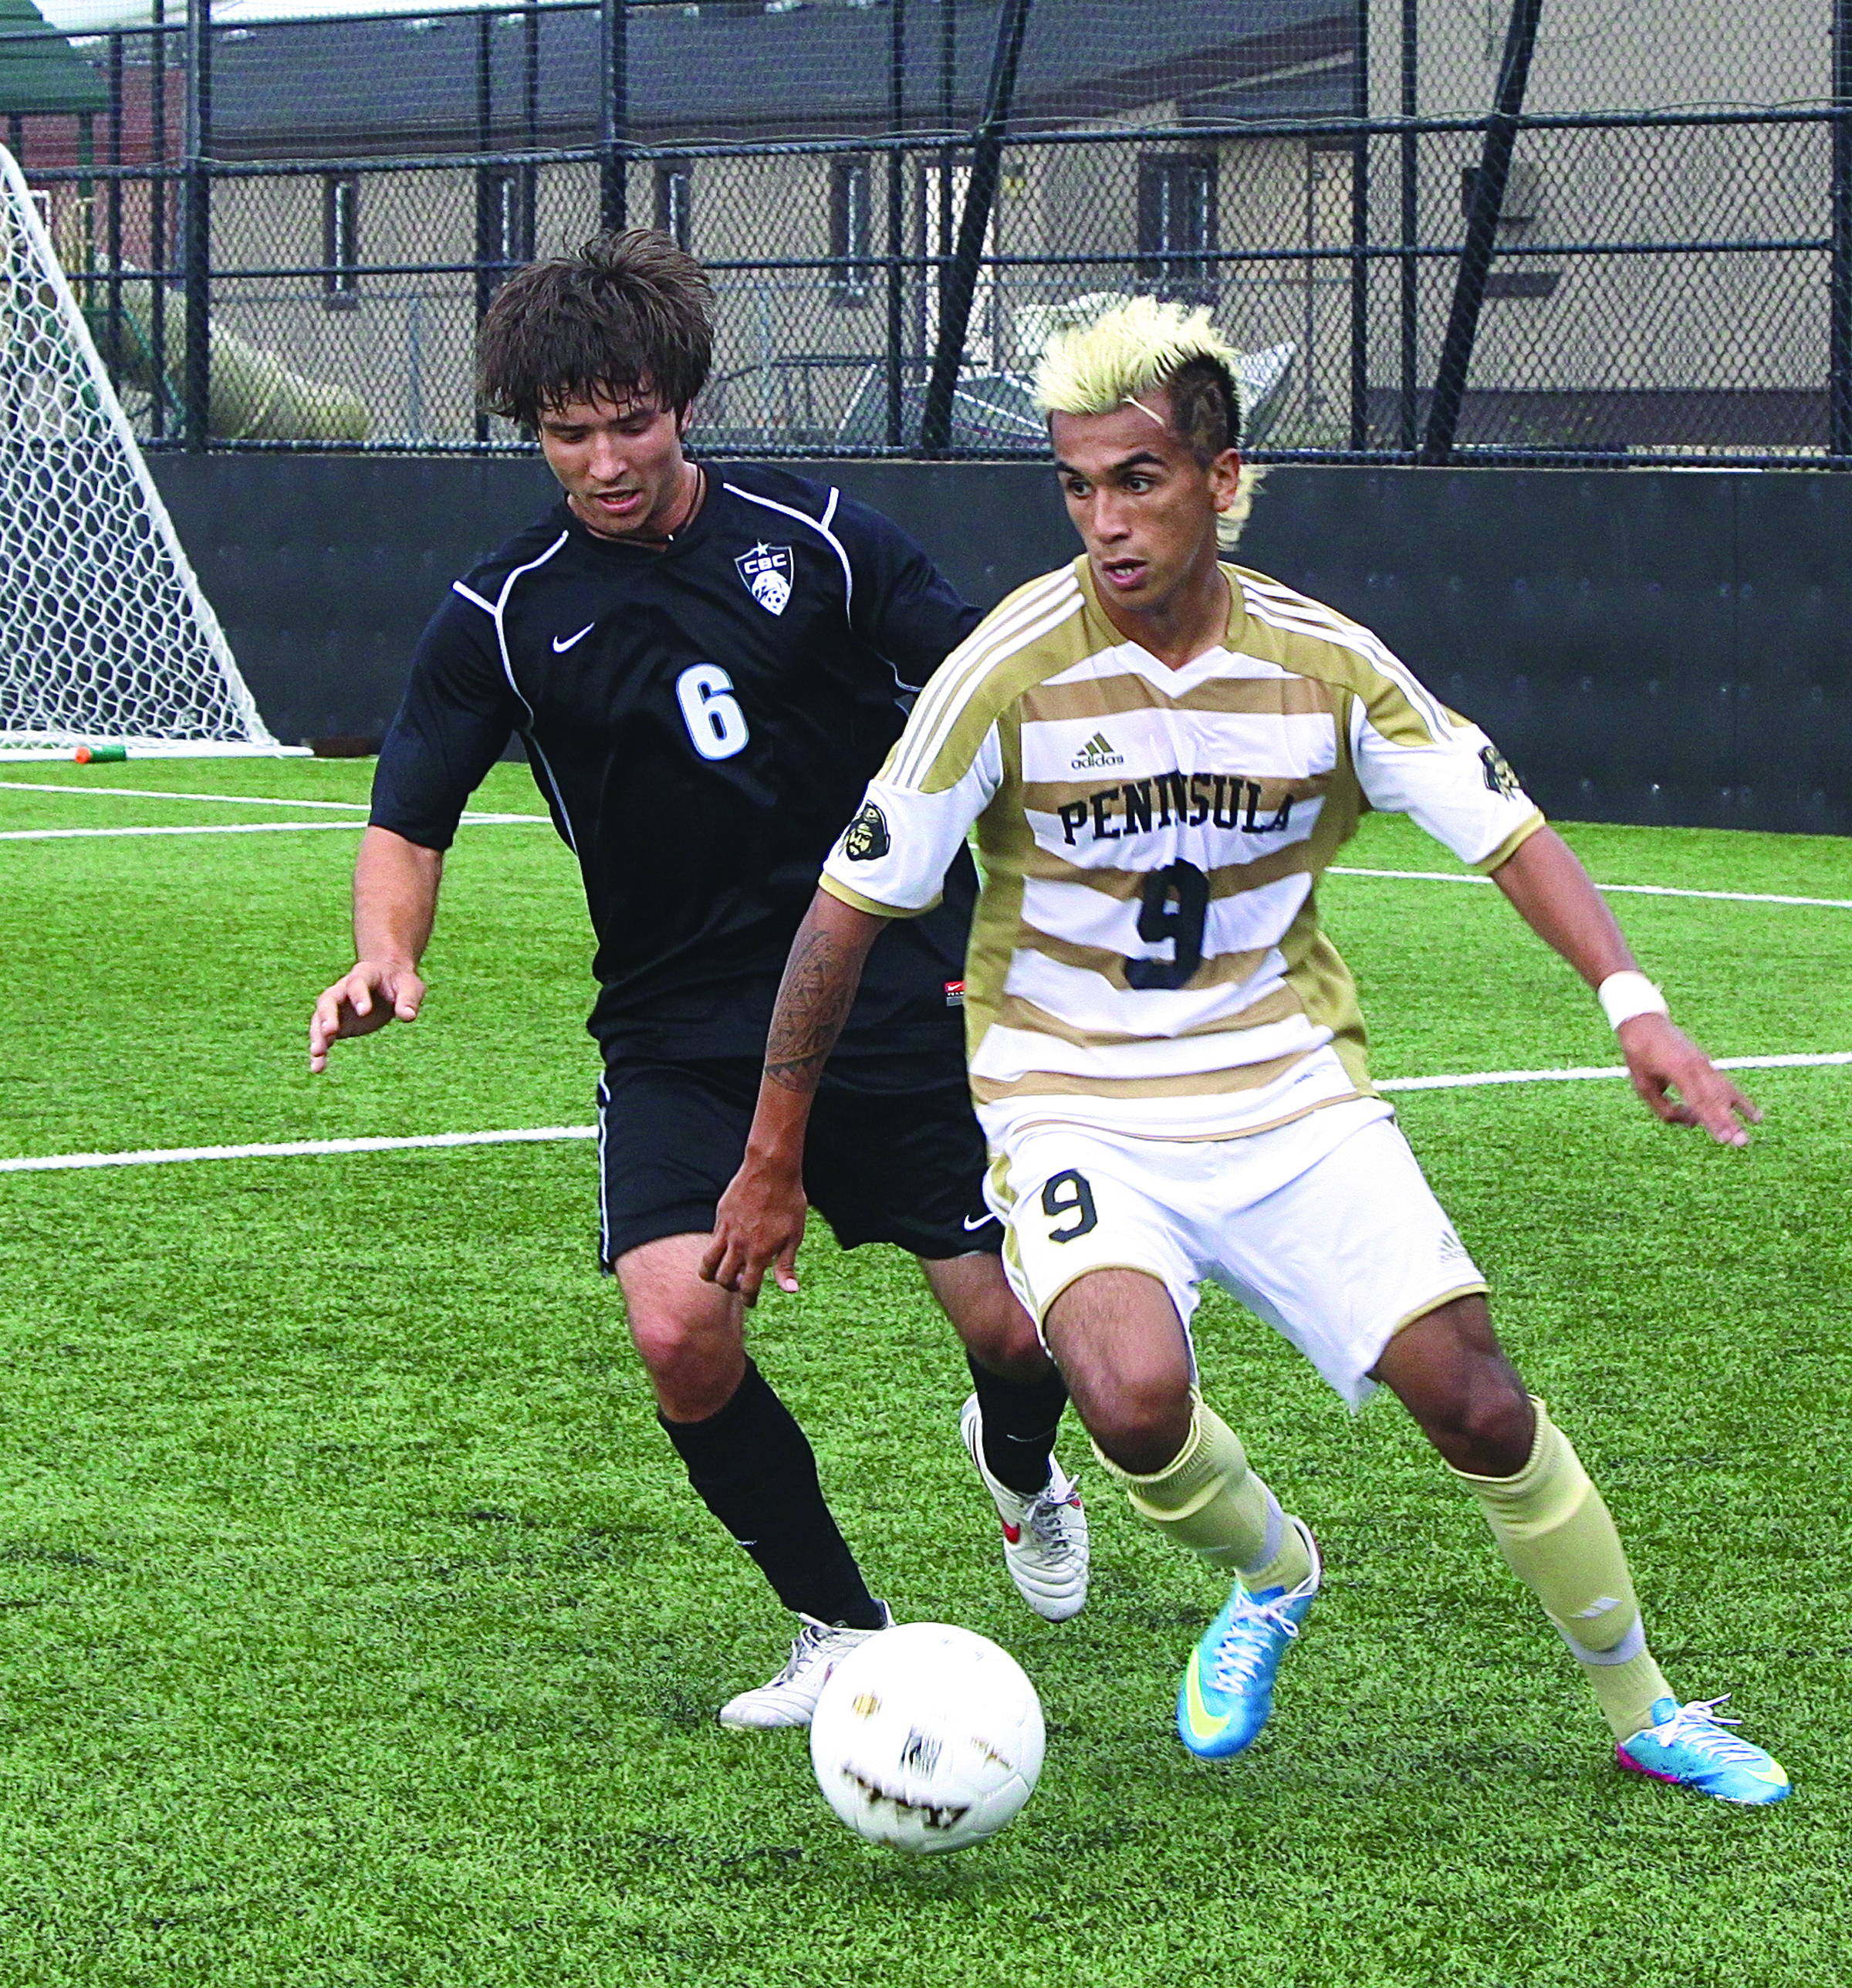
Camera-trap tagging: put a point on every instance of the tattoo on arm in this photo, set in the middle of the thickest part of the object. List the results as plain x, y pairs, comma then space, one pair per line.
814, 1002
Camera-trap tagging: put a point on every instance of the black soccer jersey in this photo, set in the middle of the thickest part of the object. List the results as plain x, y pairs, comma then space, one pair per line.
700, 719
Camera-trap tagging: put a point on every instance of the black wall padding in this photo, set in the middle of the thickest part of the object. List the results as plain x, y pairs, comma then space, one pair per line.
1646, 645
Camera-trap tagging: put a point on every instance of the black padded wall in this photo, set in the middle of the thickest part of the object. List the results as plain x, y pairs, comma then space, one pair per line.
1649, 646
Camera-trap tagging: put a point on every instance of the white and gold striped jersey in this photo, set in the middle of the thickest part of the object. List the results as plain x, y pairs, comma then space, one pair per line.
1146, 957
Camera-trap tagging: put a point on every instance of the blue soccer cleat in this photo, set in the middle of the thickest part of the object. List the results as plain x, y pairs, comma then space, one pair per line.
1228, 1685
1687, 1744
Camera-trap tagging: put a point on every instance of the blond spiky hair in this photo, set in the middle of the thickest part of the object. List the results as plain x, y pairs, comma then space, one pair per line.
1122, 353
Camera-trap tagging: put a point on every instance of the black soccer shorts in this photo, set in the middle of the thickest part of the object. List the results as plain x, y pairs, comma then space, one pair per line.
893, 1154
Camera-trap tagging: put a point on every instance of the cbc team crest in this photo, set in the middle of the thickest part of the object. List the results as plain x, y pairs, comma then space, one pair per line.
766, 569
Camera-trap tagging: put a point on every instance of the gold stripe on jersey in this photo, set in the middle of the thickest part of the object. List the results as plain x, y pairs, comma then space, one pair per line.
1112, 697
1200, 1083
1510, 845
1226, 970
1226, 880
1316, 973
872, 906
1004, 840
1024, 621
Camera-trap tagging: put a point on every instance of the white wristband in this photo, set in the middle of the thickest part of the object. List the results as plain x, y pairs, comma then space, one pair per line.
1624, 996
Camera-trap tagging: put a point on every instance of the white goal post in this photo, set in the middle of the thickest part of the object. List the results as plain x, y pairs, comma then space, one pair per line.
106, 637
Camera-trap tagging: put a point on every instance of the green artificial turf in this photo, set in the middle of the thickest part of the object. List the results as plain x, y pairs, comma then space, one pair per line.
355, 1628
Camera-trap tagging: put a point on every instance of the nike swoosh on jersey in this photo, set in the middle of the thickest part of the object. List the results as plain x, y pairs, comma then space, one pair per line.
982, 1222
560, 647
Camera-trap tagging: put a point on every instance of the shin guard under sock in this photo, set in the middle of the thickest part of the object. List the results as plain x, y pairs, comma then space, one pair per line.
1558, 1538
757, 1474
1020, 1418
1207, 1499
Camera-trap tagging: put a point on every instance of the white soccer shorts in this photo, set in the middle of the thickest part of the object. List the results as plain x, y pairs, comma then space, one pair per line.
1326, 1228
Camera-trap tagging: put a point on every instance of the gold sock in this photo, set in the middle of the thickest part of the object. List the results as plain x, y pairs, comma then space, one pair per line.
1558, 1538
1207, 1499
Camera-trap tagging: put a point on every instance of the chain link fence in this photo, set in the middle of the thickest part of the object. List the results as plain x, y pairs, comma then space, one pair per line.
1545, 231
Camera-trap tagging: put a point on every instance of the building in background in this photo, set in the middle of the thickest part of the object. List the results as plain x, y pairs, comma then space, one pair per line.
1207, 150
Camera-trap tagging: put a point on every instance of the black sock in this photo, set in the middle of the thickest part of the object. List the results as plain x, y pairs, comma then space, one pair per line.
757, 1474
1020, 1418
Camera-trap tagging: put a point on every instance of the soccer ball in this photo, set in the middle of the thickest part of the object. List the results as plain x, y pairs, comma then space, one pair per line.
926, 1738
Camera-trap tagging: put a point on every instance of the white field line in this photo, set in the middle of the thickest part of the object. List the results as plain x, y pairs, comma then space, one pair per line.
167, 794
257, 800
1485, 1076
234, 828
535, 1135
293, 1149
1626, 890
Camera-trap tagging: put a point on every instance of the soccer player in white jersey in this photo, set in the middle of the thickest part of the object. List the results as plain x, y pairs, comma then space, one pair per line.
1160, 753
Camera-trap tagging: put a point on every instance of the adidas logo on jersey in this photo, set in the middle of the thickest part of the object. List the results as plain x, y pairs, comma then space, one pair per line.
1095, 753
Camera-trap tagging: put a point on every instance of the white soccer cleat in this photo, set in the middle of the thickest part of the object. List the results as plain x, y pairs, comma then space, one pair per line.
1045, 1542
791, 1697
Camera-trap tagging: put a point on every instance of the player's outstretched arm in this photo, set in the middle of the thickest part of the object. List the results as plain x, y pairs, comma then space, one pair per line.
395, 901
1552, 894
760, 1221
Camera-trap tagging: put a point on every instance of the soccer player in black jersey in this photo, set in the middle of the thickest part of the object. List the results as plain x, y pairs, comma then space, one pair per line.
706, 665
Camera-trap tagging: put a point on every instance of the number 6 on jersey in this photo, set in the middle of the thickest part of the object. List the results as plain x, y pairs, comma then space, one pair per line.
717, 726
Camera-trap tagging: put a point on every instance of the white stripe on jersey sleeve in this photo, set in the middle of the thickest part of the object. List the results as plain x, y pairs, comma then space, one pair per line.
1445, 788
821, 526
500, 612
1287, 746
1045, 605
1279, 607
922, 833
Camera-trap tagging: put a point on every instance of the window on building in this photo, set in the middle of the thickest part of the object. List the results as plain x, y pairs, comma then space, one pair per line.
674, 202
340, 238
1177, 226
1520, 213
851, 229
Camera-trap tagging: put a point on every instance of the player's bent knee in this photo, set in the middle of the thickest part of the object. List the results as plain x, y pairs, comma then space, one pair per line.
991, 1324
1140, 1421
693, 1368
1499, 1425
1486, 1427
1006, 1344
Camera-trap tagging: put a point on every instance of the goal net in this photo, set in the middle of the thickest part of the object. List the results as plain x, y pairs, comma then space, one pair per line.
105, 635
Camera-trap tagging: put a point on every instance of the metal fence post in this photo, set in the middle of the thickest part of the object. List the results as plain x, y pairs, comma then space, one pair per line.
197, 268
613, 110
1839, 337
1360, 242
159, 199
489, 246
974, 223
896, 212
529, 179
1412, 222
1481, 232
112, 237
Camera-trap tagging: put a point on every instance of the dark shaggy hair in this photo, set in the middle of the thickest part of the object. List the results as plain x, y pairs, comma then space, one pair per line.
1205, 407
630, 312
